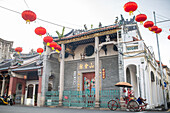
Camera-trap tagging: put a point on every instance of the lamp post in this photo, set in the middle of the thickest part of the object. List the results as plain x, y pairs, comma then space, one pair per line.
162, 77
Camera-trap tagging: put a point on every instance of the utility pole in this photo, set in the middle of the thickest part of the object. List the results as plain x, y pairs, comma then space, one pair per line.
162, 77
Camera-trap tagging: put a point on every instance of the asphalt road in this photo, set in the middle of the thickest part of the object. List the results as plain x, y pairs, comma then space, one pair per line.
24, 109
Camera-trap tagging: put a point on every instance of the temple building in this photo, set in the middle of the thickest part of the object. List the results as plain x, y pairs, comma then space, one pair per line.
86, 70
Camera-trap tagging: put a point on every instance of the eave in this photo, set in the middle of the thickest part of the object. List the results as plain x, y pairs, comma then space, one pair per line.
89, 34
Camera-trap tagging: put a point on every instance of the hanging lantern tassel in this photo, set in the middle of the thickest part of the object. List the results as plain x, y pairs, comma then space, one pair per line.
130, 13
39, 53
18, 52
57, 51
52, 48
149, 28
48, 44
27, 21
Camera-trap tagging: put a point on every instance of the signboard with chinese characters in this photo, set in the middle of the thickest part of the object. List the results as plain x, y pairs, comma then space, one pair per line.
86, 65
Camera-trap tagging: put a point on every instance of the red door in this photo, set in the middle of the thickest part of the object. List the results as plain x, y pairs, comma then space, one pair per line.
89, 81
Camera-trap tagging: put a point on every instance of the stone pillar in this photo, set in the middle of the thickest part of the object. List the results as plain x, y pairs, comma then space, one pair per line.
61, 87
12, 85
23, 91
97, 104
39, 91
120, 57
45, 76
33, 103
3, 85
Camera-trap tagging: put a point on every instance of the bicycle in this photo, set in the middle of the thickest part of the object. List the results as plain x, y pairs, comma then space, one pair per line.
132, 104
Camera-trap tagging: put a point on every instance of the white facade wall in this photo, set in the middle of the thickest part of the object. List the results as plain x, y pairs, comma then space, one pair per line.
141, 65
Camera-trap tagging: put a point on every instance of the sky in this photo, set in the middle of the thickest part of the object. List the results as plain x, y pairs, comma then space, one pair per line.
74, 14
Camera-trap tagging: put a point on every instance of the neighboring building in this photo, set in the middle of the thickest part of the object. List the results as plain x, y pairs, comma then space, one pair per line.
142, 70
5, 49
5, 58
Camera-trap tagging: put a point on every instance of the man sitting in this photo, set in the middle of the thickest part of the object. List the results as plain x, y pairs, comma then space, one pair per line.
140, 100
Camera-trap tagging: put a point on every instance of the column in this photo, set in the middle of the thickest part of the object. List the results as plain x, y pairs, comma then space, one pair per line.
3, 85
33, 102
45, 76
12, 85
121, 36
97, 72
139, 81
61, 87
23, 91
39, 91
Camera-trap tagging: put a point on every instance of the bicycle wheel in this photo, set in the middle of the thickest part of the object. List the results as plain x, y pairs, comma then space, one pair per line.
133, 105
112, 105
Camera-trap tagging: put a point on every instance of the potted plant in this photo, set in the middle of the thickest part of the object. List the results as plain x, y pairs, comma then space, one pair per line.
14, 95
35, 100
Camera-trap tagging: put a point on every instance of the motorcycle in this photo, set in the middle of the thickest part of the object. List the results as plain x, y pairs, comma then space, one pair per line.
6, 100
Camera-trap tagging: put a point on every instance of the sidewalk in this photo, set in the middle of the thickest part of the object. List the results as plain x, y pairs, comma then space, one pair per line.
92, 108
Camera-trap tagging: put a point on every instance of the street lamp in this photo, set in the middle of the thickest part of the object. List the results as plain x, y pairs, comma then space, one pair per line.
162, 78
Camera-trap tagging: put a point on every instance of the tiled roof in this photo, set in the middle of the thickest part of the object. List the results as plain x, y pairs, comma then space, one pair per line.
97, 30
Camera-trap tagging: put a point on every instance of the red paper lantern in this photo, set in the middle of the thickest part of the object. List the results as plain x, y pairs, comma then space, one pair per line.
148, 24
169, 37
58, 48
53, 45
18, 50
28, 16
130, 7
40, 31
48, 40
141, 18
153, 28
159, 30
40, 50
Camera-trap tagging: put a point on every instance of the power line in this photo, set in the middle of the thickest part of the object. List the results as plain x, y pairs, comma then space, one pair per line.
10, 10
163, 16
26, 4
37, 18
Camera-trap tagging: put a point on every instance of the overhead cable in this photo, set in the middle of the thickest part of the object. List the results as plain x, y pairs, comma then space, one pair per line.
37, 18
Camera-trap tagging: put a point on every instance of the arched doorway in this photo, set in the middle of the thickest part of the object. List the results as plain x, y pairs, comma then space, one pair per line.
128, 77
131, 77
18, 93
29, 98
50, 87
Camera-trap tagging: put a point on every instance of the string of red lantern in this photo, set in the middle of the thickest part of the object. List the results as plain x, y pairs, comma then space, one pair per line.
131, 7
18, 50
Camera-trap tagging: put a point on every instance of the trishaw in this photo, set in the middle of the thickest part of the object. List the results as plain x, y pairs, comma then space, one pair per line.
5, 100
130, 101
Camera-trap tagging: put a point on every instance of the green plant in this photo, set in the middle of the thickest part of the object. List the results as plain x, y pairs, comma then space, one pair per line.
35, 98
62, 34
167, 97
14, 95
